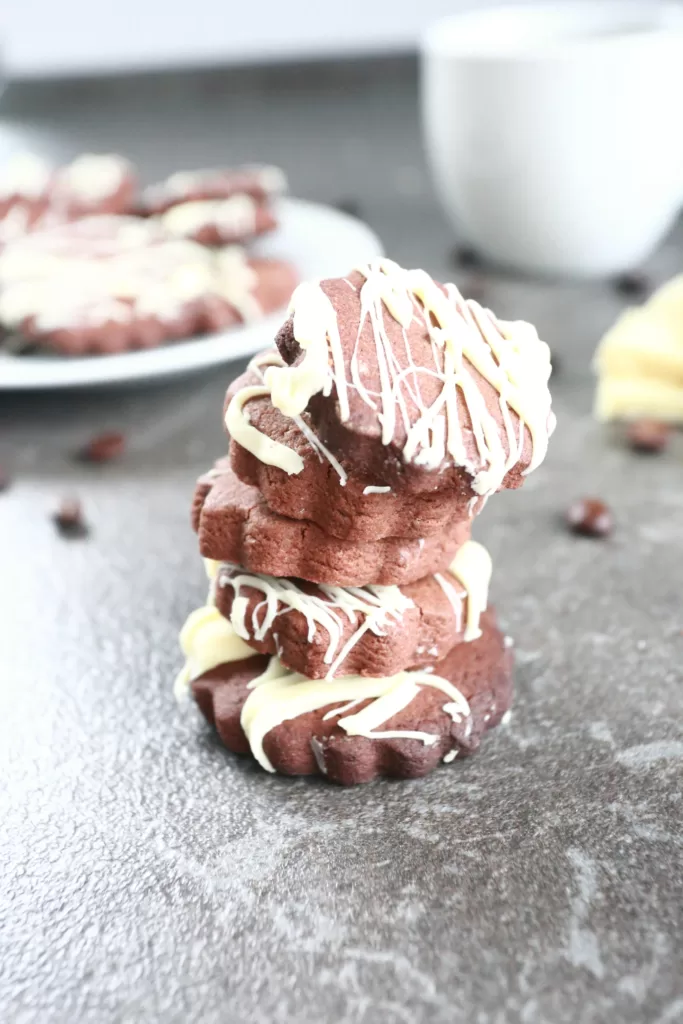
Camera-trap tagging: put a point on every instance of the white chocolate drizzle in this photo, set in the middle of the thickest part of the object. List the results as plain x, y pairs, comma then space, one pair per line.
207, 640
279, 695
375, 489
472, 567
270, 452
464, 338
379, 606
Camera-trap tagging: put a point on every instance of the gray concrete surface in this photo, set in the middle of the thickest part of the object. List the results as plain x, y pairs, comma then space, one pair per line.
148, 876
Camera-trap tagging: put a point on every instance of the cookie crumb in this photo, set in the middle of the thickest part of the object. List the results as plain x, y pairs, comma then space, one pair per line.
68, 518
590, 517
633, 284
648, 436
105, 447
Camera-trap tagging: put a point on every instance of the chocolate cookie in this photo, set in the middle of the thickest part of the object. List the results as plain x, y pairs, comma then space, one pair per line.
236, 525
261, 183
414, 385
338, 728
326, 632
364, 508
220, 221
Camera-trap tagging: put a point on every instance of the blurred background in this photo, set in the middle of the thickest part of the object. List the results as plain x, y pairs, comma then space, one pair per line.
75, 37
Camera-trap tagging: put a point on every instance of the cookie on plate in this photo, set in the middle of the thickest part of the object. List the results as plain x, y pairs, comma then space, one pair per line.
93, 184
35, 196
233, 221
108, 284
261, 183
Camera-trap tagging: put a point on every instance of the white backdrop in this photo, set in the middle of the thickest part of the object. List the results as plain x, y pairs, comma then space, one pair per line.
54, 37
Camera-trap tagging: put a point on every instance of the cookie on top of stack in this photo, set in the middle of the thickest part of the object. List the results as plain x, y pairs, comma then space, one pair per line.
346, 629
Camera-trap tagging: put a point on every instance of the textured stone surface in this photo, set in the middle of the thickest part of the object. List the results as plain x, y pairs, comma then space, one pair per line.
148, 876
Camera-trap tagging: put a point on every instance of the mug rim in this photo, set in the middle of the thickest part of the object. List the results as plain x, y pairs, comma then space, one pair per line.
662, 20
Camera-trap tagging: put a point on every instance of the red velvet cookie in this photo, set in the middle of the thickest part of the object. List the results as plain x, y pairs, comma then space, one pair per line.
220, 221
261, 183
107, 284
25, 182
325, 632
34, 196
365, 508
411, 384
439, 725
93, 184
236, 525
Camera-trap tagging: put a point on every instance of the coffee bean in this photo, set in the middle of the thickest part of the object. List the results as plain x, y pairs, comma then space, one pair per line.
633, 284
590, 517
104, 447
68, 518
465, 256
648, 436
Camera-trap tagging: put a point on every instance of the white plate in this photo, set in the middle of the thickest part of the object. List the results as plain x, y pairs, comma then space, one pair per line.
319, 241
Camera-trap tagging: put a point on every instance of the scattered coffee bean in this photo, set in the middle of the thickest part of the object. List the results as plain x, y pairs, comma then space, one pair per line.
633, 284
465, 256
350, 206
69, 519
590, 517
104, 447
648, 436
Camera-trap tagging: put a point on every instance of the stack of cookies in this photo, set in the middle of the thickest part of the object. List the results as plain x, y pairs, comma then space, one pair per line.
346, 630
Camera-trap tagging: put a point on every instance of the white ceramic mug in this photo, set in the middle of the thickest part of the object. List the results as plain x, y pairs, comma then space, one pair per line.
555, 131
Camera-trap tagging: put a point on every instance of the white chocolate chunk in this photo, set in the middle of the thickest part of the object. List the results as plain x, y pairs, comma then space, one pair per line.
640, 361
